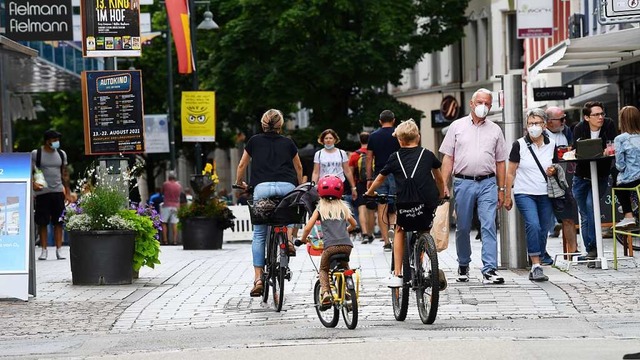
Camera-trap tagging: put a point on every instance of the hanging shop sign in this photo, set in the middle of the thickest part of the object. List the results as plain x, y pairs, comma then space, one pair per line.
110, 28
113, 112
534, 18
38, 20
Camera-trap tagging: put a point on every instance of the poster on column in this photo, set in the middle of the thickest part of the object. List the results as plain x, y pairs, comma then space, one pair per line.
198, 116
110, 28
113, 112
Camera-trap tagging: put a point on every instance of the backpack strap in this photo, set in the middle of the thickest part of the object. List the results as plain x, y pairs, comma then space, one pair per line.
414, 169
38, 157
417, 162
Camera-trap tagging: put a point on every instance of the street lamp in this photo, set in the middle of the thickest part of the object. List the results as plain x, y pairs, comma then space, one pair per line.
206, 24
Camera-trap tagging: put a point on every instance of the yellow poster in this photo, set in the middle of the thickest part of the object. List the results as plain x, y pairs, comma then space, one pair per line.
198, 116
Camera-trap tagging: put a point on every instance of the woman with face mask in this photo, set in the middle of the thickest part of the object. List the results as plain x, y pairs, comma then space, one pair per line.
332, 161
525, 179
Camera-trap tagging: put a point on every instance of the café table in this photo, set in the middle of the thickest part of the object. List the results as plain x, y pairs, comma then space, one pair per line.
595, 191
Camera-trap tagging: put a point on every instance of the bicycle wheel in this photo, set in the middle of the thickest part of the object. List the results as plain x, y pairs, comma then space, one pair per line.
270, 260
635, 241
278, 274
427, 279
350, 305
329, 318
400, 295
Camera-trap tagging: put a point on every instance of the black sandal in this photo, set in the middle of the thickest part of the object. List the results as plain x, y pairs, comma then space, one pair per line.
257, 288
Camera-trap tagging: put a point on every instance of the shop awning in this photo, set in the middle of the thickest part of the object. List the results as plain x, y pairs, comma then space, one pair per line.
25, 72
592, 53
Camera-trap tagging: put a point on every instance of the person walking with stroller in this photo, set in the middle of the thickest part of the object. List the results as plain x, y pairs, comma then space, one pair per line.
336, 222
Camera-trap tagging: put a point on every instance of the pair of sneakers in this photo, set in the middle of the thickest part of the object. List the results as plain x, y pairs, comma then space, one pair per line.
490, 277
44, 254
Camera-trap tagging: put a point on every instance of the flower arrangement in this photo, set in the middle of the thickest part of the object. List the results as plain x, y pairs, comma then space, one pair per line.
104, 205
206, 203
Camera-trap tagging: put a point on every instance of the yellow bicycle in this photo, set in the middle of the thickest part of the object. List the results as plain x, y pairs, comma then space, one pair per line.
344, 287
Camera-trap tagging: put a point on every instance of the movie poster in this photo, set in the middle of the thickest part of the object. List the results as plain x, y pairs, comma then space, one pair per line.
110, 28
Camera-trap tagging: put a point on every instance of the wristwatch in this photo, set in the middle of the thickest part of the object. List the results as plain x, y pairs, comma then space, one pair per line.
502, 188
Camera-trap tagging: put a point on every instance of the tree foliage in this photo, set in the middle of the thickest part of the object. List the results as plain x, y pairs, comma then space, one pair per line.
331, 56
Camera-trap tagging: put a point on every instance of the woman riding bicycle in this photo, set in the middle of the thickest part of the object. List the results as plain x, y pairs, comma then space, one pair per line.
275, 171
334, 216
411, 161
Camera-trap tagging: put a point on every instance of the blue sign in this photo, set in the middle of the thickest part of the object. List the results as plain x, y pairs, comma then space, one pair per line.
14, 233
15, 207
15, 166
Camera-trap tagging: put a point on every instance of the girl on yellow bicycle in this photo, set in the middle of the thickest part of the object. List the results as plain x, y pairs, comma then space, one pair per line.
336, 222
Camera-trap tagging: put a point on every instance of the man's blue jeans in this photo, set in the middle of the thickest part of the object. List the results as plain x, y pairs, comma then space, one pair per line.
535, 210
584, 198
261, 191
485, 193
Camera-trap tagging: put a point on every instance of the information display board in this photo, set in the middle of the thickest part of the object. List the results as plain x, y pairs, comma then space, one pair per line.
113, 112
15, 222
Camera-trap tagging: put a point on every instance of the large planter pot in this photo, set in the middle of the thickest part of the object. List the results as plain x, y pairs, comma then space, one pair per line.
102, 257
201, 233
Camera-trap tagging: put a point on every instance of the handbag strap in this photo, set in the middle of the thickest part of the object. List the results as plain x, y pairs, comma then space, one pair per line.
414, 169
537, 162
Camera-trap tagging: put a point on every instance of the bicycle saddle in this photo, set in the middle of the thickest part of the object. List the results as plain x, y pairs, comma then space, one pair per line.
337, 259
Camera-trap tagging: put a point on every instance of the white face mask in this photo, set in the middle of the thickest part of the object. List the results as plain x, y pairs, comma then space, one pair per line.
55, 144
481, 111
534, 131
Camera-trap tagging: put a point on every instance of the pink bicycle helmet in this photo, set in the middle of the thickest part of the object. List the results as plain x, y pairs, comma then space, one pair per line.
330, 186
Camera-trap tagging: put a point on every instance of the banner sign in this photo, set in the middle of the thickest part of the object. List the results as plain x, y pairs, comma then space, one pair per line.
38, 20
113, 112
110, 28
534, 18
156, 133
198, 116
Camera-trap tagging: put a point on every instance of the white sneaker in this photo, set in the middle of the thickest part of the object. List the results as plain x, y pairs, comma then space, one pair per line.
59, 254
393, 281
43, 255
492, 277
626, 222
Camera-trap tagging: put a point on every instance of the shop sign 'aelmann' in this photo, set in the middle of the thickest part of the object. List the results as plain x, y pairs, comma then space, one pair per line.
38, 20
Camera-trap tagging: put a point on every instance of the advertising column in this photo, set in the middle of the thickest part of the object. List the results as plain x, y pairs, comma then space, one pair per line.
15, 222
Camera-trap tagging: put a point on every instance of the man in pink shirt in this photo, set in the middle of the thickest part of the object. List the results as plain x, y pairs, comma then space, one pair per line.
475, 153
171, 190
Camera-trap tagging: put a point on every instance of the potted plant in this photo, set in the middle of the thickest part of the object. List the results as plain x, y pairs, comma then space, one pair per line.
109, 240
204, 220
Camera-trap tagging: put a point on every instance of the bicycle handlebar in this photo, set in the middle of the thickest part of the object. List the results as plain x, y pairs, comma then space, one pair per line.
380, 198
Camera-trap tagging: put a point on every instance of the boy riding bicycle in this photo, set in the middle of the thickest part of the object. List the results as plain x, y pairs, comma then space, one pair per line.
334, 216
420, 187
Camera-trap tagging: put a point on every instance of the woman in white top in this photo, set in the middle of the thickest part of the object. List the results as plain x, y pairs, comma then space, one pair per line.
332, 161
525, 178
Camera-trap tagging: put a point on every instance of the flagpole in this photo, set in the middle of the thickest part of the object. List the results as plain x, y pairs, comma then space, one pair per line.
194, 77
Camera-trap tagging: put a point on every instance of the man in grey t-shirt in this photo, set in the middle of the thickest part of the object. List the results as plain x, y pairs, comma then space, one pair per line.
50, 196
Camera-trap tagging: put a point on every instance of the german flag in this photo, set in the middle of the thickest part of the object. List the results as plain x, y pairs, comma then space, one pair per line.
178, 13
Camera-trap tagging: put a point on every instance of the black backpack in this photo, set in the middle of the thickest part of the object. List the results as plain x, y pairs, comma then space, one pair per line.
412, 215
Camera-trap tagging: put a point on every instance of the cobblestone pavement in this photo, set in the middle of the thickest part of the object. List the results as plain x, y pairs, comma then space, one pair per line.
209, 289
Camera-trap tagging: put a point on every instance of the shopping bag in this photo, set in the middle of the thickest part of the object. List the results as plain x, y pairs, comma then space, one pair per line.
440, 228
